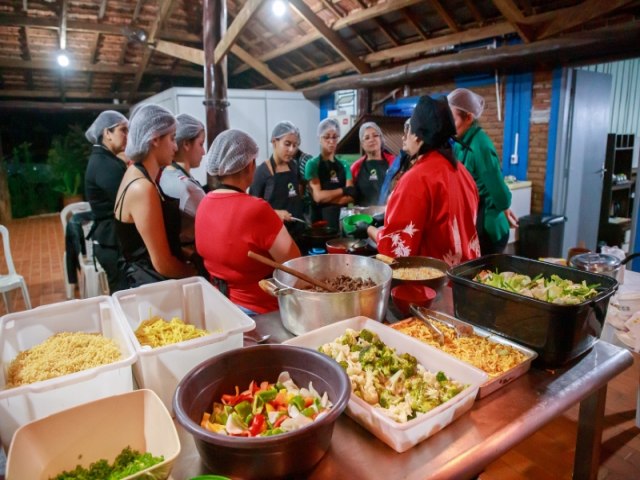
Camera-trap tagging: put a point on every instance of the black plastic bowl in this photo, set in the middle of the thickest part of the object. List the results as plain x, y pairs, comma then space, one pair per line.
278, 456
417, 262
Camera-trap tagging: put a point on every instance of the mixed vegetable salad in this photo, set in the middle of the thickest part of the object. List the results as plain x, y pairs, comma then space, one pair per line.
553, 290
266, 409
393, 383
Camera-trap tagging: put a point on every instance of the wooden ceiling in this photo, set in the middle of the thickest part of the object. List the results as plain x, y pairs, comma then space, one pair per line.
316, 40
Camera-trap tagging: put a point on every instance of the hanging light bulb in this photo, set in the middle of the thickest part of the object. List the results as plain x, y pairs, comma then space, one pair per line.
63, 59
279, 8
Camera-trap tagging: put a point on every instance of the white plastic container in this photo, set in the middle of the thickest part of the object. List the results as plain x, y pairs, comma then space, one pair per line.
95, 430
403, 436
195, 301
24, 330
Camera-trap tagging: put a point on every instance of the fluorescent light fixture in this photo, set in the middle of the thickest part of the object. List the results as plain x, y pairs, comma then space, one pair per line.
63, 59
279, 8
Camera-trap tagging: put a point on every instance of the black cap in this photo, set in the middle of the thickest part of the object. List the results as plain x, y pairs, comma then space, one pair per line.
432, 122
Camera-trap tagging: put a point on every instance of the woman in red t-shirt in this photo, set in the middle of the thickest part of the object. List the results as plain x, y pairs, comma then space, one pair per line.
432, 211
230, 222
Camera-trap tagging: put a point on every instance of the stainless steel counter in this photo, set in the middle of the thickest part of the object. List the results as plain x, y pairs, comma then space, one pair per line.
494, 425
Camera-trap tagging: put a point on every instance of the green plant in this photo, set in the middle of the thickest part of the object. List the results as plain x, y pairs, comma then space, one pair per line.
29, 184
67, 158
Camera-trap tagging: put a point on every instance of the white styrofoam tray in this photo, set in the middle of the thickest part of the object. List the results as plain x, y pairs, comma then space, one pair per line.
24, 330
196, 302
92, 431
403, 436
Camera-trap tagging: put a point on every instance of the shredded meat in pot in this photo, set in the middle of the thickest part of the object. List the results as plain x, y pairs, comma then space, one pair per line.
343, 283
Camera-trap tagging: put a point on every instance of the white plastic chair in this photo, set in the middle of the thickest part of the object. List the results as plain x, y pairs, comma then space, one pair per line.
92, 279
11, 280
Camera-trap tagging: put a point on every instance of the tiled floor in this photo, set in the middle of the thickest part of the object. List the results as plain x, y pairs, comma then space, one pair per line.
37, 244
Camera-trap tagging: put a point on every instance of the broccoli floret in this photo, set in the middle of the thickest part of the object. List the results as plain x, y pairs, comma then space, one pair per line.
386, 399
367, 335
367, 355
441, 377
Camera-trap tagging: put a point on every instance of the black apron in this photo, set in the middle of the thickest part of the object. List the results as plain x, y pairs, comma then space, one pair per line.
284, 195
332, 175
369, 182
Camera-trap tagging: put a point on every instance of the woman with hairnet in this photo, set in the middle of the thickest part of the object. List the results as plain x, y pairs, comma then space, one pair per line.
277, 180
432, 211
176, 180
108, 134
148, 222
229, 223
477, 153
329, 177
369, 171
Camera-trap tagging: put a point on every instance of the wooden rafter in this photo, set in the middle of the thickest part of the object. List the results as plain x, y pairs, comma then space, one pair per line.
329, 35
102, 10
248, 10
471, 35
88, 27
189, 54
136, 11
353, 18
261, 68
413, 23
444, 14
575, 16
55, 106
339, 67
63, 24
381, 26
74, 66
474, 11
163, 10
514, 16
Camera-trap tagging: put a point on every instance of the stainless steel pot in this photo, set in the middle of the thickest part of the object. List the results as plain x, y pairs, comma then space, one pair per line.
602, 263
302, 311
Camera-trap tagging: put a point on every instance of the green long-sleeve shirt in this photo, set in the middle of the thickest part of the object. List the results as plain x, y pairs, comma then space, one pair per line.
481, 159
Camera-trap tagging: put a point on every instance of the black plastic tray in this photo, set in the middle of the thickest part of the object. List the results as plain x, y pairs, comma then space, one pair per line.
558, 333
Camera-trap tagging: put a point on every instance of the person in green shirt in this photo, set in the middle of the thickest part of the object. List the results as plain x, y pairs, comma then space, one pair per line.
477, 152
329, 177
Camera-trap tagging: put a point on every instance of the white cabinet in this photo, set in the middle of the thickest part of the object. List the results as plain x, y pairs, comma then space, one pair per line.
520, 202
254, 111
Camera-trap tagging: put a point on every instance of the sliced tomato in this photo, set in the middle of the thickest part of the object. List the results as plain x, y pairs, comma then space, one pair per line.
258, 425
279, 421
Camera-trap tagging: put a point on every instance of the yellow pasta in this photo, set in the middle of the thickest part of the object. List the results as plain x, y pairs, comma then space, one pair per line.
492, 357
157, 332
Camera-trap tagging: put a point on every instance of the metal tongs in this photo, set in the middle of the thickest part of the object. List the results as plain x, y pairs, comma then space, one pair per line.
438, 335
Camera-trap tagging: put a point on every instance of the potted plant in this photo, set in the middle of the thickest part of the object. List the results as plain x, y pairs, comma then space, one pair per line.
67, 159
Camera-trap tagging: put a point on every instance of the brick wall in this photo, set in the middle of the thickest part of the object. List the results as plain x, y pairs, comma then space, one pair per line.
539, 124
539, 136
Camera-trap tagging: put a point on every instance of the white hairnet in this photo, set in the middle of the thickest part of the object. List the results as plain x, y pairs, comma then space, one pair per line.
467, 101
366, 125
328, 124
187, 127
284, 128
230, 152
148, 122
107, 119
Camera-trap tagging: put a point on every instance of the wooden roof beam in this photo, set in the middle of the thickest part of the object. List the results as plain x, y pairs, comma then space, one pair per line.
330, 36
514, 16
87, 26
414, 24
102, 10
74, 66
248, 10
63, 24
383, 28
444, 14
475, 13
261, 68
55, 106
352, 18
575, 16
163, 10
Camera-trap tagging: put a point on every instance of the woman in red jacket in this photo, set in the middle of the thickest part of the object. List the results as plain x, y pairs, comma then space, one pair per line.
433, 209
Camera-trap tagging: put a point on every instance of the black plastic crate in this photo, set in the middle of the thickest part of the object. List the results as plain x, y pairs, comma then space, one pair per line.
558, 333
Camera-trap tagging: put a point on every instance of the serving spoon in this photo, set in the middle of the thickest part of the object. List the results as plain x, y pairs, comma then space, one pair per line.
295, 273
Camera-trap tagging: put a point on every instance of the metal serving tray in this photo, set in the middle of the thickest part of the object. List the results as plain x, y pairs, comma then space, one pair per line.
494, 383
